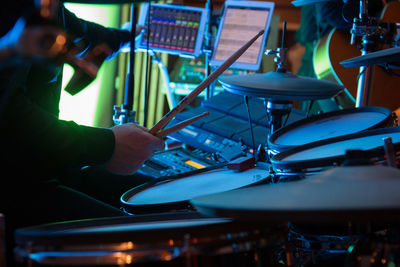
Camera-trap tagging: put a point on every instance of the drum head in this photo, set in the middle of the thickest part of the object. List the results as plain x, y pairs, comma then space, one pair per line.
331, 152
174, 194
329, 125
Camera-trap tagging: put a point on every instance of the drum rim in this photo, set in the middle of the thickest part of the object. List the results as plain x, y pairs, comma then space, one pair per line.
284, 130
144, 208
166, 206
302, 165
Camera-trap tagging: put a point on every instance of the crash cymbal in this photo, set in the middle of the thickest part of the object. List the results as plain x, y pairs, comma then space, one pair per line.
309, 2
390, 56
280, 86
341, 194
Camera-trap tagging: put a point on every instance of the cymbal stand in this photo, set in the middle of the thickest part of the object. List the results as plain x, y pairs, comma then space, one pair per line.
368, 29
276, 110
125, 113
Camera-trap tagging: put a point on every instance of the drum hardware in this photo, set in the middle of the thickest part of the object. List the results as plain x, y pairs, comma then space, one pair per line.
310, 249
372, 31
390, 152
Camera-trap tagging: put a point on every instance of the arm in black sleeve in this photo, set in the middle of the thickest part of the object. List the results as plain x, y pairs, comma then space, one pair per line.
34, 138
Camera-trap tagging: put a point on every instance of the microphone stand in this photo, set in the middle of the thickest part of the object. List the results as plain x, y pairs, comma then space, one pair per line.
125, 113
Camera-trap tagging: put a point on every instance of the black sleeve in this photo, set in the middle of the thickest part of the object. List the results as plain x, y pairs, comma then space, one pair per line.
34, 138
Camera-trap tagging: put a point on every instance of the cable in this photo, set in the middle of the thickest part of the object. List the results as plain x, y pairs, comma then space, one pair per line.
246, 101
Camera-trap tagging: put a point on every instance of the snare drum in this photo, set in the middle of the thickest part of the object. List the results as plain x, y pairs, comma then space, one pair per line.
317, 156
174, 194
329, 125
173, 239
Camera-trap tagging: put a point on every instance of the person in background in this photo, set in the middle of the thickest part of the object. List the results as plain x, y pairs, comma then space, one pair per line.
317, 20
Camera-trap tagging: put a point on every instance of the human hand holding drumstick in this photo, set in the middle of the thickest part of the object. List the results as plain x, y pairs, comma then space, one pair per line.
190, 97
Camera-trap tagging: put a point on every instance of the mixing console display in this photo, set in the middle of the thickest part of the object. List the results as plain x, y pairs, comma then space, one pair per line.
173, 29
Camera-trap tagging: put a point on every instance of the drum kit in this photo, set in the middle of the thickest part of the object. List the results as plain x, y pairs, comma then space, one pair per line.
342, 174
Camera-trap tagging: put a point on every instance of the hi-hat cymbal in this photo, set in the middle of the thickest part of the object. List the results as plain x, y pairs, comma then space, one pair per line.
390, 56
341, 194
280, 86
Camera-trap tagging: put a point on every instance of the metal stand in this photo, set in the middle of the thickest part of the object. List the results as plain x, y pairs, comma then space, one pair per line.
366, 28
125, 113
276, 110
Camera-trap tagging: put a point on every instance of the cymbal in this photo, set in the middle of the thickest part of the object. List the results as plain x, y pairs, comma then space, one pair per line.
389, 56
298, 3
341, 194
280, 86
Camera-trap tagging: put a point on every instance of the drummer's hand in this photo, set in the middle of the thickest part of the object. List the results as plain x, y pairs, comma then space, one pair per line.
133, 145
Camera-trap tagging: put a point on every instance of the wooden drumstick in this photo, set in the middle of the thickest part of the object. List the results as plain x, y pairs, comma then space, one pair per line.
187, 99
181, 125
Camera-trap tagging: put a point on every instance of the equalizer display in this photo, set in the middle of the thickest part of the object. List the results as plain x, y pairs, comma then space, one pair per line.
177, 30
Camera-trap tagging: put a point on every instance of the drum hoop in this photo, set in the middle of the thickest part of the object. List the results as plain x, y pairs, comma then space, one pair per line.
159, 207
302, 165
286, 129
131, 208
134, 209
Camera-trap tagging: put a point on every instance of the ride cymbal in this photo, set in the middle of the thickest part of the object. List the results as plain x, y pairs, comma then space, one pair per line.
280, 86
